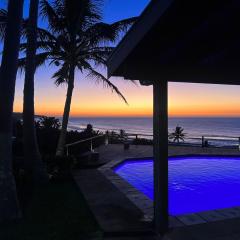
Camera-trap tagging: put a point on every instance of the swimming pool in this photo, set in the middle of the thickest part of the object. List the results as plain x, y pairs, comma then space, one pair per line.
196, 183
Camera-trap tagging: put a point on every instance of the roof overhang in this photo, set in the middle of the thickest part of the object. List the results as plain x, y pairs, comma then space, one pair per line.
182, 41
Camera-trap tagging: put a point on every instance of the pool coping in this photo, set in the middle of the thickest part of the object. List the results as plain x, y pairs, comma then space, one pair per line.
145, 204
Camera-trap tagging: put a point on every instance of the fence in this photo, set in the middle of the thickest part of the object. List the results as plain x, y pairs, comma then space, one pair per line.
88, 140
204, 141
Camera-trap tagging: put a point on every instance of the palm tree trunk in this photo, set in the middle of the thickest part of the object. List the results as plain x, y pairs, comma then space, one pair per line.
9, 207
62, 138
33, 162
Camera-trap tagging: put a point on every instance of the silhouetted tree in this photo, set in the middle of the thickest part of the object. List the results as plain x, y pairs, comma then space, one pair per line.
9, 208
33, 162
178, 135
29, 31
76, 40
48, 123
89, 129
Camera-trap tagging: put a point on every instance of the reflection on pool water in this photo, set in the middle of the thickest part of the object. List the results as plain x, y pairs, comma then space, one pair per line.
196, 183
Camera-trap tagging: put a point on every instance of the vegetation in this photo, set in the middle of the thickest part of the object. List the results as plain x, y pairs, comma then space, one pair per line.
48, 131
57, 211
48, 123
178, 135
9, 208
76, 40
33, 162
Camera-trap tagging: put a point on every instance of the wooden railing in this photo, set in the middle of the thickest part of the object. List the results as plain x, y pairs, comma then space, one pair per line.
203, 141
90, 140
138, 135
200, 141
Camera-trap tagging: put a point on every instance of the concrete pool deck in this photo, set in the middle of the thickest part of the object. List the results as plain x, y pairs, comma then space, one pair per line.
119, 207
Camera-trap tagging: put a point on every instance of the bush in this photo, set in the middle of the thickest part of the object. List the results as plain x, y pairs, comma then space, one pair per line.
48, 131
59, 168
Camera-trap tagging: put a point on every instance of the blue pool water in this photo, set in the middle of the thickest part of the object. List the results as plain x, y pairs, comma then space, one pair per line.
195, 183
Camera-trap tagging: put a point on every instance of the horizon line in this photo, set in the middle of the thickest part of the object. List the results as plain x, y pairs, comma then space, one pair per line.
147, 116
134, 116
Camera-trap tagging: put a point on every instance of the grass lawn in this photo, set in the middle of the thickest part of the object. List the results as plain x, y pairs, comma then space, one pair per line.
58, 211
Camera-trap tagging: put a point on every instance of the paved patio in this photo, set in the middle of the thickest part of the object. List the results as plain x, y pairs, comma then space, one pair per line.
112, 152
121, 210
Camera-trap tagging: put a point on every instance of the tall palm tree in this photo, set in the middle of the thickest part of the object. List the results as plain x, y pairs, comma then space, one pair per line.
76, 40
29, 31
33, 162
9, 208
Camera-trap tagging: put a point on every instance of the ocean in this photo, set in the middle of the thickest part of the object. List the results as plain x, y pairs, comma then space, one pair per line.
194, 127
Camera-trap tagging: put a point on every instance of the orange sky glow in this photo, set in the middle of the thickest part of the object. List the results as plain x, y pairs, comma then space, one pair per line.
91, 100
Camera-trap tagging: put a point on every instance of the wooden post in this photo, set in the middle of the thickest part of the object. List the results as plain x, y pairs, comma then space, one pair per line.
160, 133
91, 146
67, 150
106, 139
203, 141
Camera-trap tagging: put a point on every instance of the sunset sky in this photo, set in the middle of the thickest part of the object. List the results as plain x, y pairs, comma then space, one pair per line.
90, 99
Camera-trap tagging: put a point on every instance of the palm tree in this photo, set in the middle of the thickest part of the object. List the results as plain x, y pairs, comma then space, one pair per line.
9, 208
76, 40
48, 123
33, 162
178, 135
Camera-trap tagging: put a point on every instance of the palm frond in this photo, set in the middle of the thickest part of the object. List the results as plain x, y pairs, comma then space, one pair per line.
90, 12
46, 46
39, 58
24, 29
123, 25
77, 36
48, 12
106, 49
80, 14
103, 32
3, 23
61, 76
45, 35
98, 77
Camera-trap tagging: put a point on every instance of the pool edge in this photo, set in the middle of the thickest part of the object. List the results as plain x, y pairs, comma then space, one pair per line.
145, 204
